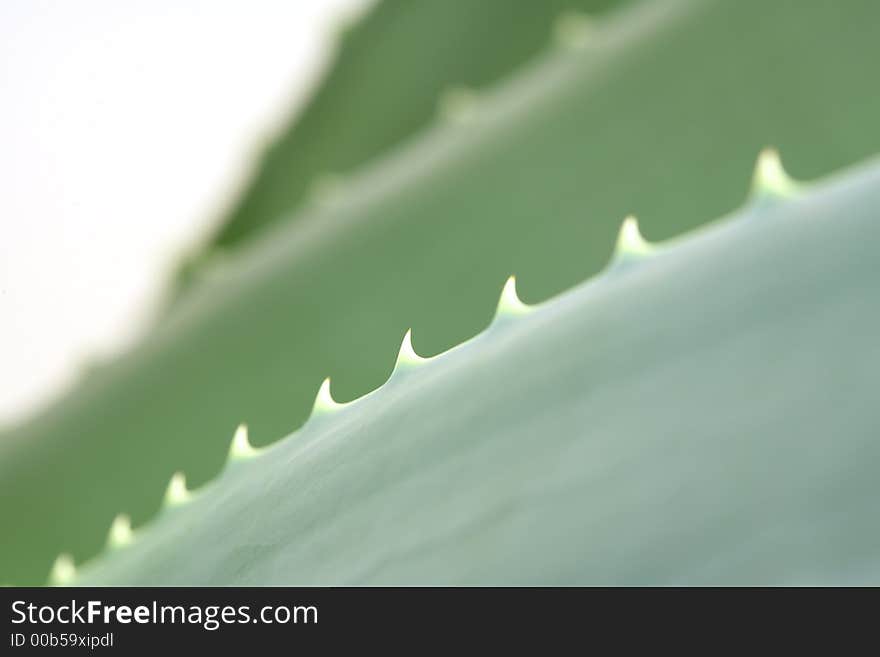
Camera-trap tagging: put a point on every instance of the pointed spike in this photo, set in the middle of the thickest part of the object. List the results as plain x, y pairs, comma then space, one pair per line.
458, 104
630, 239
630, 246
176, 493
120, 532
241, 447
63, 571
324, 402
407, 356
770, 179
572, 29
509, 303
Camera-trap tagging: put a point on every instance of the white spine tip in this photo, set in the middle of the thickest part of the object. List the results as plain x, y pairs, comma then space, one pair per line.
241, 447
407, 355
630, 242
63, 571
324, 401
770, 177
176, 493
510, 303
120, 531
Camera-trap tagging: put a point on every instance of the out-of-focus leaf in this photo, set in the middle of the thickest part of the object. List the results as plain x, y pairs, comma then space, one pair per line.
396, 69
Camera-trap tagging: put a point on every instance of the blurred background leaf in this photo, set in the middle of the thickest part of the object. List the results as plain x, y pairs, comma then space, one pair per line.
391, 70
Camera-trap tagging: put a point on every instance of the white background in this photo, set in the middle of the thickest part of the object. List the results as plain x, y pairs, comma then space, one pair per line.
126, 127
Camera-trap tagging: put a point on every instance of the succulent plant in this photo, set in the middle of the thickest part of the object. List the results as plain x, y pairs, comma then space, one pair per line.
699, 412
703, 412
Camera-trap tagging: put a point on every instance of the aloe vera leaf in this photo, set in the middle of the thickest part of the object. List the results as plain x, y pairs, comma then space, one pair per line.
704, 412
393, 72
534, 184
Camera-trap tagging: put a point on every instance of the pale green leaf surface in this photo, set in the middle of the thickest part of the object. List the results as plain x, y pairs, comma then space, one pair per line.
705, 413
660, 113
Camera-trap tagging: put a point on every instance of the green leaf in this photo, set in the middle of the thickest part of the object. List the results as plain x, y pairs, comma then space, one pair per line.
704, 415
659, 112
396, 69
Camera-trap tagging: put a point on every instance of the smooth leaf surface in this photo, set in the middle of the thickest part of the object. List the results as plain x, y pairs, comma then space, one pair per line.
703, 414
660, 113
